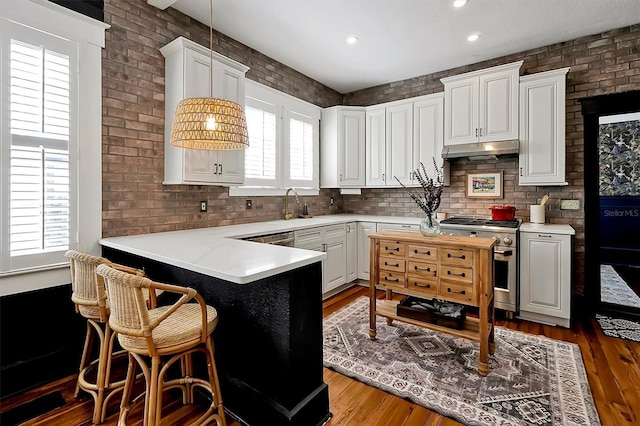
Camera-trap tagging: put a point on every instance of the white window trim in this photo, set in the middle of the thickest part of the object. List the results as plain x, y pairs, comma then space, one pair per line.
89, 35
285, 103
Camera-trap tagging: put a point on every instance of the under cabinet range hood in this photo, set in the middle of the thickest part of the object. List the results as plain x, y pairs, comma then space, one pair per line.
481, 150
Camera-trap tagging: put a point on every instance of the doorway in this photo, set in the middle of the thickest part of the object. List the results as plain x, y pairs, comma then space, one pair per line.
612, 203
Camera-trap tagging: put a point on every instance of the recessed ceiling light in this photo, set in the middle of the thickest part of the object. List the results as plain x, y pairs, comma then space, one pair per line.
473, 37
352, 39
459, 3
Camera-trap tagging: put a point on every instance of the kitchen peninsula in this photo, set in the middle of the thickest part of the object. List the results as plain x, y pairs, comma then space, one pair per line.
269, 298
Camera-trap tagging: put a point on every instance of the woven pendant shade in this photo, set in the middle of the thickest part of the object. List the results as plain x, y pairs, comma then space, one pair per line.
193, 125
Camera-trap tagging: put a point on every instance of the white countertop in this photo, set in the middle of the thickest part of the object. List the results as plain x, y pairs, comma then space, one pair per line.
217, 252
550, 228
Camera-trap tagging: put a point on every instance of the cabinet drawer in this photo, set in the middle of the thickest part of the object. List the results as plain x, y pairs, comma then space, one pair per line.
335, 231
392, 264
308, 236
457, 291
391, 279
422, 269
422, 252
391, 248
454, 273
428, 286
458, 257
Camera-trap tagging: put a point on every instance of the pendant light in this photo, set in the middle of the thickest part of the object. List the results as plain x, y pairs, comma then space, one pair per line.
209, 123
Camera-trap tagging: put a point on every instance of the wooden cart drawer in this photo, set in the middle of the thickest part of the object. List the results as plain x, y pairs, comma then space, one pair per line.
457, 292
454, 273
391, 248
423, 269
391, 279
458, 257
422, 252
392, 264
428, 286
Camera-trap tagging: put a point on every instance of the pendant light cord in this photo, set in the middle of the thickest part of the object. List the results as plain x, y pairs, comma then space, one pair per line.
211, 47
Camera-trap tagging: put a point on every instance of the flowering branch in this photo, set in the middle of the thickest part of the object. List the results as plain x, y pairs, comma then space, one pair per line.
430, 200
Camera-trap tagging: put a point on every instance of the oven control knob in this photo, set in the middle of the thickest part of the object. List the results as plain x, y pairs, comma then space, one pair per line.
452, 233
507, 241
473, 235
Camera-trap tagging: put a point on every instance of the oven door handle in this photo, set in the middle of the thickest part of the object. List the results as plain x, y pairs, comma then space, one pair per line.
503, 253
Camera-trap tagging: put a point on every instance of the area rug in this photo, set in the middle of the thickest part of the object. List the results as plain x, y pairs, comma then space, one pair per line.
613, 289
532, 380
618, 327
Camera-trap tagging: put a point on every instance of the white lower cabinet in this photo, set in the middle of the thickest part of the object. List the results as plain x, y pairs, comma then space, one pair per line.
364, 248
545, 273
351, 254
333, 241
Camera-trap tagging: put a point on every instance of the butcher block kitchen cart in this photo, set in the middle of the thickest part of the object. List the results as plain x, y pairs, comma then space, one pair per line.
455, 269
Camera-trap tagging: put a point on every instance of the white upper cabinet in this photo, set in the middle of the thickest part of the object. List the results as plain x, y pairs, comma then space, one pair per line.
375, 147
400, 135
428, 133
542, 128
482, 106
188, 74
342, 143
399, 150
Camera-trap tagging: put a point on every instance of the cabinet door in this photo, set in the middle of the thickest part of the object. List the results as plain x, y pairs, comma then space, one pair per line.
199, 165
229, 85
335, 273
498, 111
351, 141
352, 252
545, 275
375, 152
364, 248
399, 144
428, 131
461, 111
542, 129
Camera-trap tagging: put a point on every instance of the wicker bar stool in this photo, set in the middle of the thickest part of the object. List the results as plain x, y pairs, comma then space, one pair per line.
90, 298
165, 335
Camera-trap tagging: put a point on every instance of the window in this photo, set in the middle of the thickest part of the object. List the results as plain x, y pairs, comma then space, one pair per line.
50, 134
39, 186
283, 143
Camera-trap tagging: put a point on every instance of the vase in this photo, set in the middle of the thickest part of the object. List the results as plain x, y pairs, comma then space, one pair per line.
430, 227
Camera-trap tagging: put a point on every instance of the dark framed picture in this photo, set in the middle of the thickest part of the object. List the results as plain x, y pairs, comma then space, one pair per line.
484, 185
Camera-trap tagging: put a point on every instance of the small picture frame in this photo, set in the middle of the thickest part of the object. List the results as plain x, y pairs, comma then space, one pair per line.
484, 185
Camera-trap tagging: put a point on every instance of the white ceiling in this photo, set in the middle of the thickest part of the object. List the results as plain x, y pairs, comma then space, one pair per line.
400, 39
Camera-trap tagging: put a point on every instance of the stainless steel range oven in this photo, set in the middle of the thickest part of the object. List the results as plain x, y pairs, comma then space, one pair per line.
504, 253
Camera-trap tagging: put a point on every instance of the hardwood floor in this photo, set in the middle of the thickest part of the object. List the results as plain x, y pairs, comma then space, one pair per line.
612, 365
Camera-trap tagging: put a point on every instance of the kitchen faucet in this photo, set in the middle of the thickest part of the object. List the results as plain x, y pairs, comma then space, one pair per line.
287, 214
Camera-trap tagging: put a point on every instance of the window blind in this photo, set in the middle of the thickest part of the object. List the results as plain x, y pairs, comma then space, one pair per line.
260, 157
39, 190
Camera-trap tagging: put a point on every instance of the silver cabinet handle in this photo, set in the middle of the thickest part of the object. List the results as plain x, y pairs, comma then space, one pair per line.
544, 236
216, 171
383, 177
480, 131
520, 171
476, 132
220, 168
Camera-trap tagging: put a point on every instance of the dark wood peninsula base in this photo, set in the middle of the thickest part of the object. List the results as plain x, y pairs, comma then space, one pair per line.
268, 341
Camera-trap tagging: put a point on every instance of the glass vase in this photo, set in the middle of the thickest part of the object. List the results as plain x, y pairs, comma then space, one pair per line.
430, 227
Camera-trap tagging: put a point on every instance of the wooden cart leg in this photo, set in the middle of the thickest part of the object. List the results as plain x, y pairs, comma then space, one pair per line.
492, 319
483, 360
389, 296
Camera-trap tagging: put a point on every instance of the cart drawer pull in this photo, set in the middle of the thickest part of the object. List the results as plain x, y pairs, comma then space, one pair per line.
428, 252
397, 265
458, 257
461, 274
419, 285
394, 249
396, 280
453, 291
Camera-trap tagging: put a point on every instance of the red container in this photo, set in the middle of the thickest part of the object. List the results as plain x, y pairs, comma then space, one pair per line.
503, 212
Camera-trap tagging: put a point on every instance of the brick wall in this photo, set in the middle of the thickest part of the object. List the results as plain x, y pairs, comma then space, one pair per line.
600, 64
134, 199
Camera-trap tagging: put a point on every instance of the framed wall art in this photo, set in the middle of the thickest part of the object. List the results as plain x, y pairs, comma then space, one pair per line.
484, 185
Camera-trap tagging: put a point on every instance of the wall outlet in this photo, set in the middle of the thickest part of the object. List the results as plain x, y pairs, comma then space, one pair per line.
249, 204
203, 206
569, 204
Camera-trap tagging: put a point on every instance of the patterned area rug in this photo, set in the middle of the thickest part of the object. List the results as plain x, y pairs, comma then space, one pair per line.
613, 289
618, 327
532, 380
